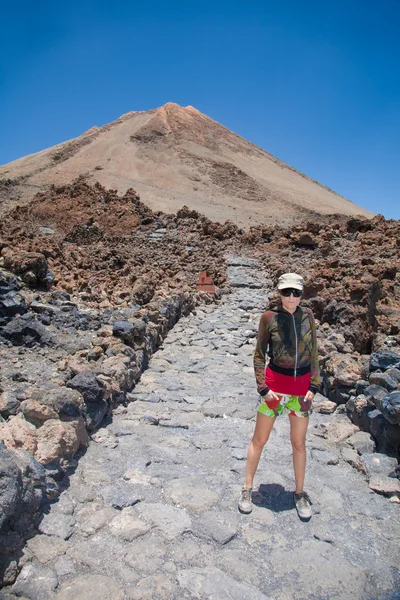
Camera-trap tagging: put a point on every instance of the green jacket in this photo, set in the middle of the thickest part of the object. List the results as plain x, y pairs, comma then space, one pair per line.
290, 341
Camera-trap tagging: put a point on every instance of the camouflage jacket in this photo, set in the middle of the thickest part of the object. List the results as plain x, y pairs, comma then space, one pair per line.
290, 341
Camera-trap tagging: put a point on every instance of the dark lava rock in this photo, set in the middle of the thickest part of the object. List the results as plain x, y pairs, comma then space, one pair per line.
374, 394
64, 401
383, 359
88, 385
9, 404
130, 332
12, 304
383, 380
26, 330
390, 407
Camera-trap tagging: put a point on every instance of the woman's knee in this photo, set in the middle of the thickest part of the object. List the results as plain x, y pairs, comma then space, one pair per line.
259, 441
299, 445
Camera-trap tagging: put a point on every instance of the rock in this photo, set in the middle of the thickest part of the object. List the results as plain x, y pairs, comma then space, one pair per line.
214, 583
120, 496
326, 407
130, 332
8, 572
386, 435
94, 414
374, 394
26, 330
218, 526
64, 565
350, 456
385, 485
172, 522
90, 587
390, 408
127, 526
11, 486
92, 518
325, 457
155, 586
383, 380
394, 374
362, 442
12, 304
378, 464
60, 439
57, 524
18, 433
345, 369
147, 554
45, 548
66, 402
190, 494
88, 386
384, 359
9, 405
361, 386
340, 430
37, 413
35, 582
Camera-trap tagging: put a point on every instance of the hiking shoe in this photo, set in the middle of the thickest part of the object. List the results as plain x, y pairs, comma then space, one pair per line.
303, 506
245, 505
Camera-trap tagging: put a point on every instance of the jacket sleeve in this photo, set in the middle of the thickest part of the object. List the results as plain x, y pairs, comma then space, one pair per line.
315, 373
260, 355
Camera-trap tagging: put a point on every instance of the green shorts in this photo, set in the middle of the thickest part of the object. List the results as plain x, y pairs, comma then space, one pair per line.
292, 405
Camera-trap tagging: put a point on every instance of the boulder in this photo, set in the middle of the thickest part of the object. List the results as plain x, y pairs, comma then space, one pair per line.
18, 433
12, 304
64, 401
390, 408
9, 405
37, 413
11, 487
383, 360
87, 385
383, 380
374, 394
60, 439
131, 332
345, 369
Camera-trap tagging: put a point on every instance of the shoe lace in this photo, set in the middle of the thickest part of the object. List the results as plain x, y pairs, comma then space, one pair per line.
304, 500
246, 494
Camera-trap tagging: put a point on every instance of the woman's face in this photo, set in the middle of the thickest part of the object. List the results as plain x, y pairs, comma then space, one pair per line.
290, 303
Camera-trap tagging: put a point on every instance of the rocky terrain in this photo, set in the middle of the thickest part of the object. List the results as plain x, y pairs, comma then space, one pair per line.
91, 283
149, 509
174, 156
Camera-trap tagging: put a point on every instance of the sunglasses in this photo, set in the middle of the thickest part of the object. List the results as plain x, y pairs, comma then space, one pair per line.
288, 291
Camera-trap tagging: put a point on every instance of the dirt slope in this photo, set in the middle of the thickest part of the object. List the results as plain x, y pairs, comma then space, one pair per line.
175, 156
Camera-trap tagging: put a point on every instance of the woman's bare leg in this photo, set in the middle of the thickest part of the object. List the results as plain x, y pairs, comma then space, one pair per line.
298, 431
264, 425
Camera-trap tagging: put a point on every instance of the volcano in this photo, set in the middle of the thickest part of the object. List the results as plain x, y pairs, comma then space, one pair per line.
174, 156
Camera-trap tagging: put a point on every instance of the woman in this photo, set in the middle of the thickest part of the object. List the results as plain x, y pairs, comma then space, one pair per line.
287, 334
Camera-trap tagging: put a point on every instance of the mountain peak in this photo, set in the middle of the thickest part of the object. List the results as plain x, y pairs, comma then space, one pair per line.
175, 156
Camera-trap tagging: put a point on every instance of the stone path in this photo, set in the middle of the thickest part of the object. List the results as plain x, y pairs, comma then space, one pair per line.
151, 509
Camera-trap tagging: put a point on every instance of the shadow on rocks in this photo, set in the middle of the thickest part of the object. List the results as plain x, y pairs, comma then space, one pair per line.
274, 497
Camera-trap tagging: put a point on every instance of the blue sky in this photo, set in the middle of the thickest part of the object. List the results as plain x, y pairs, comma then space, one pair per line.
315, 83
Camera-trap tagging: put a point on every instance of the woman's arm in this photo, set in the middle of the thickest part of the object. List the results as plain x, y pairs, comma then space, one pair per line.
260, 355
315, 373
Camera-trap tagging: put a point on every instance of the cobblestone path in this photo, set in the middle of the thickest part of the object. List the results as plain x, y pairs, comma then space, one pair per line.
151, 509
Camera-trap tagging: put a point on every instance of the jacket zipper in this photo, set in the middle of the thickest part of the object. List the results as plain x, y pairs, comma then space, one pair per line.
295, 337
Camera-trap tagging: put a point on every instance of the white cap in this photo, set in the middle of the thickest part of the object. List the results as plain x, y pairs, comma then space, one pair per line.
290, 280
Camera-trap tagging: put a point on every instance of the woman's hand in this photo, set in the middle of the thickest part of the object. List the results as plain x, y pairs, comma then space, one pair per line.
309, 397
271, 396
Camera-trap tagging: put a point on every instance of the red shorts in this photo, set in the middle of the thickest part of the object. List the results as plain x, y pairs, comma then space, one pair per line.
285, 384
